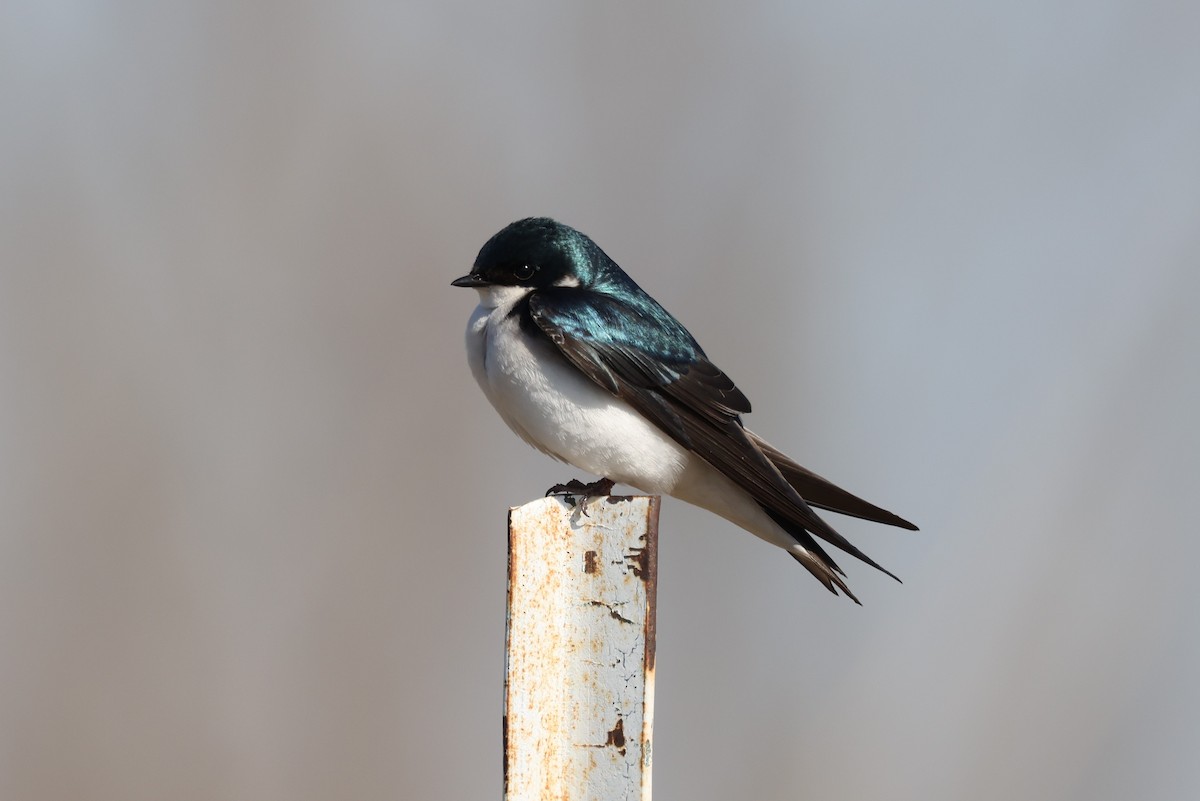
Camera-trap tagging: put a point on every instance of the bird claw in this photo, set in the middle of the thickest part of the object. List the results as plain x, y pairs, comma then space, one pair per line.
583, 492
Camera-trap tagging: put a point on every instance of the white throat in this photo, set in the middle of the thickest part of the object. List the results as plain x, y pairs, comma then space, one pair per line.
497, 296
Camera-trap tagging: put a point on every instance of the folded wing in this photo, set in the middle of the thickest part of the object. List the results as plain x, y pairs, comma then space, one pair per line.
645, 357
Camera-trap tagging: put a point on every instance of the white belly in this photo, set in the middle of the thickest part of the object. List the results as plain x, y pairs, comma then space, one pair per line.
561, 412
558, 410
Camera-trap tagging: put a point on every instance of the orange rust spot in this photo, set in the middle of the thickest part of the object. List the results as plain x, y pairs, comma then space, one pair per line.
589, 562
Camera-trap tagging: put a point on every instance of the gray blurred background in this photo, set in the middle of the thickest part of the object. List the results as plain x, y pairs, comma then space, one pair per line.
252, 504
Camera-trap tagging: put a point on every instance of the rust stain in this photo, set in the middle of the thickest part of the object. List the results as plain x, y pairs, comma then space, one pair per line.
613, 613
589, 562
616, 736
638, 560
508, 756
651, 579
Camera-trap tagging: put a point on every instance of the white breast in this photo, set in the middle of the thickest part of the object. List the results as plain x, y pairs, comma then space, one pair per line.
557, 409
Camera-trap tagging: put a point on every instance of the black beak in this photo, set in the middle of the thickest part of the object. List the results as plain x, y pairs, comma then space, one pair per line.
471, 280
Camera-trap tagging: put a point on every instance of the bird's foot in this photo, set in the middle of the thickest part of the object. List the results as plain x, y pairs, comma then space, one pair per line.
583, 492
597, 489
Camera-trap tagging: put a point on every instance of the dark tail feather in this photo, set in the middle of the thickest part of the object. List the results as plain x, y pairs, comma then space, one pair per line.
806, 520
822, 572
817, 561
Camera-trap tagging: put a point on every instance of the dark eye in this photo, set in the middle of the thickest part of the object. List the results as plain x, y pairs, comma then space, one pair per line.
524, 272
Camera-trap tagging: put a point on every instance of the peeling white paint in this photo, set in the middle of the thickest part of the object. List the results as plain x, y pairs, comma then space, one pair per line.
579, 675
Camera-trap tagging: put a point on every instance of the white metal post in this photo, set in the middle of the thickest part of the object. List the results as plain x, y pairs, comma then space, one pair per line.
579, 675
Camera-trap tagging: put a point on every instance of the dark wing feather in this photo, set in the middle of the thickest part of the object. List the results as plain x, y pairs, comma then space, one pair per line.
823, 493
642, 355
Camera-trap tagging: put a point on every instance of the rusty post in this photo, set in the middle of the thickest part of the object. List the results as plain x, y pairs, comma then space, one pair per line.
579, 673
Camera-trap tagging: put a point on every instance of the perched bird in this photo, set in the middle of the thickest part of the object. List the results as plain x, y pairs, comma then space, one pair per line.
586, 367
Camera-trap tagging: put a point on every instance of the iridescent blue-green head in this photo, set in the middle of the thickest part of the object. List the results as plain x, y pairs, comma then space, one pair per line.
540, 258
539, 252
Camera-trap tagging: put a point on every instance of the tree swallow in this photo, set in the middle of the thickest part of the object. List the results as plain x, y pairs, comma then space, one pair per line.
586, 367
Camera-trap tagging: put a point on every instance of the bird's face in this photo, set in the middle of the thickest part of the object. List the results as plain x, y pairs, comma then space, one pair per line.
528, 255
